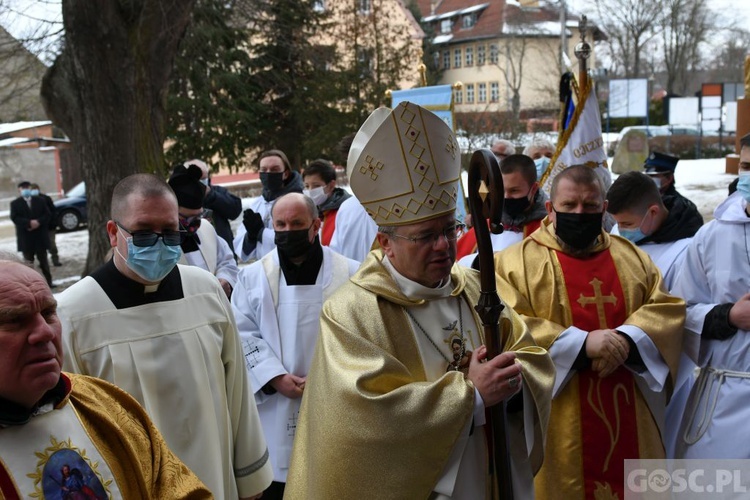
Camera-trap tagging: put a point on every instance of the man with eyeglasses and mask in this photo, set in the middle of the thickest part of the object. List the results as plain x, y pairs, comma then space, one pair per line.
523, 209
277, 304
255, 235
201, 245
391, 407
165, 333
599, 305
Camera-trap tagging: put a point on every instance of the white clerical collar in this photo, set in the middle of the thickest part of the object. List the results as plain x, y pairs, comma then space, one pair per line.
414, 290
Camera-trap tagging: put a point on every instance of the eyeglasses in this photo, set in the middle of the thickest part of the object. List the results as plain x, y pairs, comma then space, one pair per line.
450, 233
149, 238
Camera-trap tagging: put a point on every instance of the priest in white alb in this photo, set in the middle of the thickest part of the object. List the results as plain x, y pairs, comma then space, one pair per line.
394, 403
277, 305
715, 282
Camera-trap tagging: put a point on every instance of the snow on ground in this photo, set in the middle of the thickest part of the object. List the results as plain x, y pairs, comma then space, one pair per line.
702, 181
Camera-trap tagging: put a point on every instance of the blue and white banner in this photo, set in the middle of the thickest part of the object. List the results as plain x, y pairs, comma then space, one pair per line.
581, 142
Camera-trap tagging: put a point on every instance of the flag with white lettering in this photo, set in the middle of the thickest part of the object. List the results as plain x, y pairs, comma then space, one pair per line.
581, 142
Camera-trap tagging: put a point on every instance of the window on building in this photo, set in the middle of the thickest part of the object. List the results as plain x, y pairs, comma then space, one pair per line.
458, 96
493, 54
469, 20
482, 91
456, 58
469, 51
446, 59
470, 93
365, 6
446, 26
480, 54
494, 92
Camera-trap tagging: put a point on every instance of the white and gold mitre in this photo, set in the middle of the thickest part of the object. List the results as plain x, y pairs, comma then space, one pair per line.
403, 165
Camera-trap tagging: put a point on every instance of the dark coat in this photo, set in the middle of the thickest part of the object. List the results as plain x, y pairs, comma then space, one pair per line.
224, 207
51, 207
21, 215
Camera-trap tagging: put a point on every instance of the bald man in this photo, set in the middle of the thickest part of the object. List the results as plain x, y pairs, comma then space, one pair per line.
277, 304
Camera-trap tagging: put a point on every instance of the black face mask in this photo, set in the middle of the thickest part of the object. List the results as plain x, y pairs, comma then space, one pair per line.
516, 206
578, 231
272, 181
293, 243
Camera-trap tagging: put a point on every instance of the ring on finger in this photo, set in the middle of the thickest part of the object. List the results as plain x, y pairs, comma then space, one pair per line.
513, 382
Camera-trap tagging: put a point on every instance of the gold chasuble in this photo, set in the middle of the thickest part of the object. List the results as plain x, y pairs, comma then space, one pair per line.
595, 423
372, 425
96, 443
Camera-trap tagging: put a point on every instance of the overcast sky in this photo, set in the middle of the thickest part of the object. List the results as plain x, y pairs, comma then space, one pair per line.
22, 17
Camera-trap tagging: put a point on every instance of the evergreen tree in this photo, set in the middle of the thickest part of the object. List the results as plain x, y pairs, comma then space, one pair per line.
292, 70
213, 104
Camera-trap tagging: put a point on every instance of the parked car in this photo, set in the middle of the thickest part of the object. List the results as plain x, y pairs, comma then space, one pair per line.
70, 211
650, 131
682, 129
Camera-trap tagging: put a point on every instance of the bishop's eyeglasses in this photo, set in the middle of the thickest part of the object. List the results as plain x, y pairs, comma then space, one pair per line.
450, 233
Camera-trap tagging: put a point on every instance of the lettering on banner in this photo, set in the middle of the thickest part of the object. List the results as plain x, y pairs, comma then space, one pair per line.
589, 147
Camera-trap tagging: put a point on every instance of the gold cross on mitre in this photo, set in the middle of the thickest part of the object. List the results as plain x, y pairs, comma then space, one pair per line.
599, 300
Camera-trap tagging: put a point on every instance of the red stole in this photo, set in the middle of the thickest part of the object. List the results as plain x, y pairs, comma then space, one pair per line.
608, 415
329, 225
467, 243
7, 489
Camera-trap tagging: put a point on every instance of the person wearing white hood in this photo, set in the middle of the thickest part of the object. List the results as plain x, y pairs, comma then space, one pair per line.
715, 281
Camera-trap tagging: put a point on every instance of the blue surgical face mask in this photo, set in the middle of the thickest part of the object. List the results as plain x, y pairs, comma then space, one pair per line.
541, 167
151, 263
743, 184
657, 181
26, 193
204, 181
34, 192
634, 235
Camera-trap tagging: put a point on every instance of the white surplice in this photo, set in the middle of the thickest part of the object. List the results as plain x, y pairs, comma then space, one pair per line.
355, 230
213, 255
669, 257
263, 208
717, 271
181, 360
499, 242
279, 326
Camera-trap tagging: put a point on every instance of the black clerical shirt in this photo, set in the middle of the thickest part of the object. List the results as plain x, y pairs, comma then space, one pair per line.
125, 293
305, 273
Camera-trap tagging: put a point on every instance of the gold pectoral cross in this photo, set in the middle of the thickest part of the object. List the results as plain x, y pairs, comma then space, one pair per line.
599, 300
